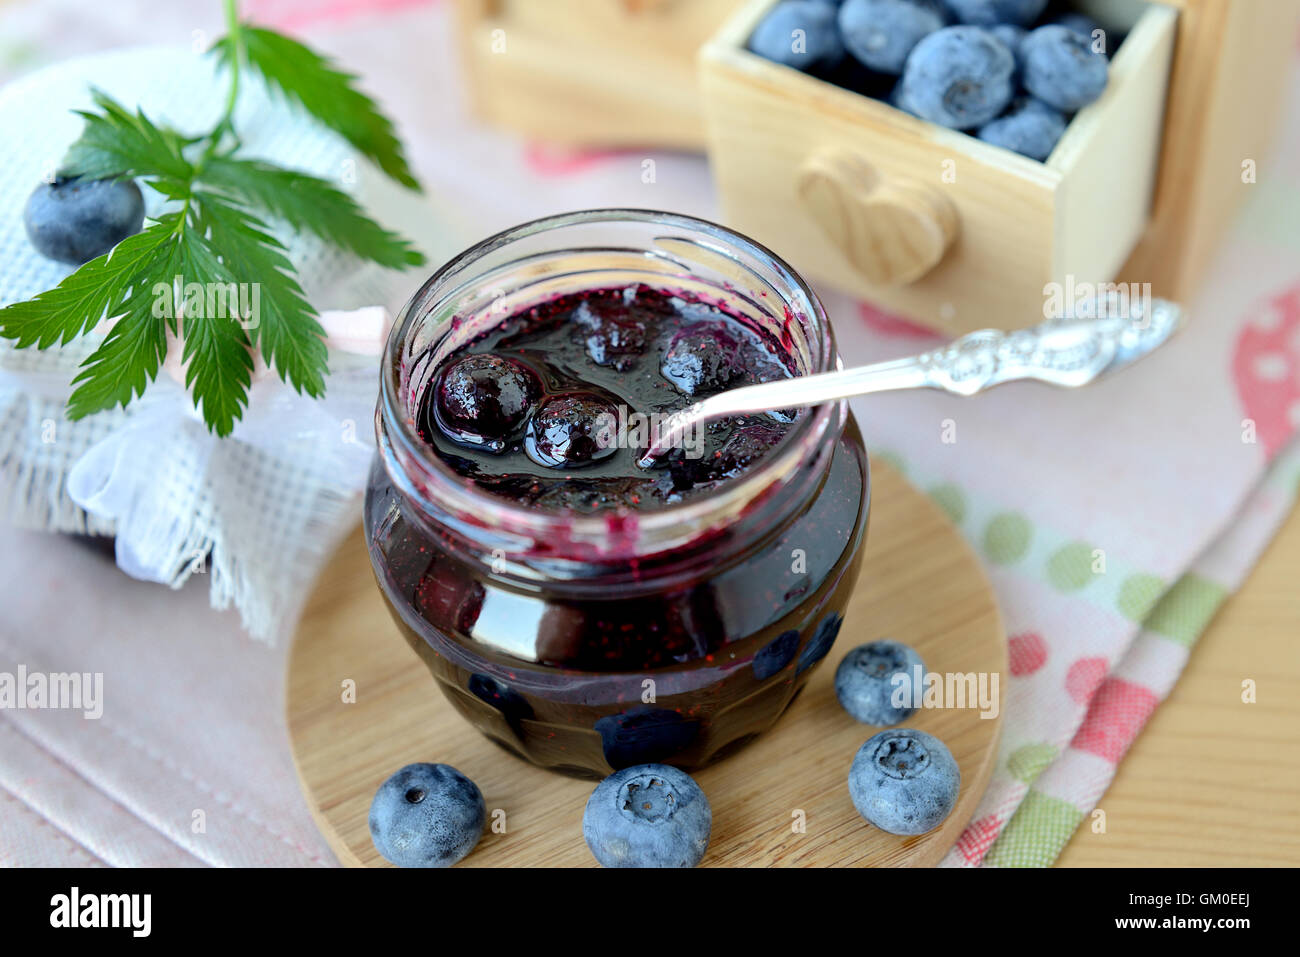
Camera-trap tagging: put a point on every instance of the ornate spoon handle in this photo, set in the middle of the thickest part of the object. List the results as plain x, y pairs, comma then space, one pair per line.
1061, 352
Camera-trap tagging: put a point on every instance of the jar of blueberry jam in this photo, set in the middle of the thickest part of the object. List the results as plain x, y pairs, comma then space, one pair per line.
583, 611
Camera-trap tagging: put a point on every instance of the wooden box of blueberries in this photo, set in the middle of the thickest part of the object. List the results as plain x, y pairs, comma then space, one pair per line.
1118, 155
949, 160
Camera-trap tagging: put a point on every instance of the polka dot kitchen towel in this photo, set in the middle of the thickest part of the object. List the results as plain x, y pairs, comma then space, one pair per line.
1112, 521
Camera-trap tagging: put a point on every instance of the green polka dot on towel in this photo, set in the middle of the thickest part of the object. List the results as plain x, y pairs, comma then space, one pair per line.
1138, 594
1027, 762
1036, 833
1186, 609
1070, 567
950, 498
1006, 538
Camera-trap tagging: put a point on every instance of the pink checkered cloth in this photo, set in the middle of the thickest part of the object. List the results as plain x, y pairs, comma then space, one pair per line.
1178, 472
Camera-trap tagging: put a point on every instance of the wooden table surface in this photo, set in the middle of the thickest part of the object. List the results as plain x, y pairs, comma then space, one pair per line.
1212, 782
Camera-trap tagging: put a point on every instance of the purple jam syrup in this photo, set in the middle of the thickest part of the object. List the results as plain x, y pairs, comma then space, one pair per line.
532, 411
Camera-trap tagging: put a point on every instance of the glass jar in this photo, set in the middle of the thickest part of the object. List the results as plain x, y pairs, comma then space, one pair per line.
590, 642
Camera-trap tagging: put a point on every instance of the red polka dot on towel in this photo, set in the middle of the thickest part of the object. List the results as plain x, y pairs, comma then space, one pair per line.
1083, 678
1026, 653
1118, 712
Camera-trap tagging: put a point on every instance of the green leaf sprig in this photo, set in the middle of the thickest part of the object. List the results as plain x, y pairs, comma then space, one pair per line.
213, 233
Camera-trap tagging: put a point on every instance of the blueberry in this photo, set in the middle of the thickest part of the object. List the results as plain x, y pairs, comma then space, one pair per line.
772, 658
1030, 127
644, 737
651, 815
702, 357
881, 33
572, 430
799, 33
74, 221
614, 336
747, 443
898, 99
482, 399
1011, 35
1087, 28
959, 77
1061, 69
819, 646
866, 682
512, 705
904, 781
987, 13
427, 815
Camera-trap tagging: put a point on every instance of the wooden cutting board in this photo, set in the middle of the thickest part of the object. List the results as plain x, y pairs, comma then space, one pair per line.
920, 584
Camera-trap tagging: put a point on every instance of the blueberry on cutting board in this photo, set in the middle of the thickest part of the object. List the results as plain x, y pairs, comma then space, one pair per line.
904, 781
74, 220
427, 815
651, 815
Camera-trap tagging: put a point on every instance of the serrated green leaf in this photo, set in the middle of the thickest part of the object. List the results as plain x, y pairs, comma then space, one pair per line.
129, 357
285, 328
323, 90
313, 204
117, 143
217, 351
97, 290
216, 241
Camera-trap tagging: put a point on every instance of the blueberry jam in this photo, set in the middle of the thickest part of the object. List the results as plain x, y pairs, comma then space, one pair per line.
534, 411
588, 663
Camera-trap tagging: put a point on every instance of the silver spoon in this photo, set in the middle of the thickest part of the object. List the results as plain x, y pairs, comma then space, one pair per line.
1062, 352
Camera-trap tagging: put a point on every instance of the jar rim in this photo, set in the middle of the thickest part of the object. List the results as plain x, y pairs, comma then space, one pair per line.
664, 527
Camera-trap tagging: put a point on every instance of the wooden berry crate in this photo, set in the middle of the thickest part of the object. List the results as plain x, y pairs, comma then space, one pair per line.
589, 72
958, 234
931, 222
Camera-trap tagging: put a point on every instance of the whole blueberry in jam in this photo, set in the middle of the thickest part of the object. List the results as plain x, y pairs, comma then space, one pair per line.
642, 737
572, 430
482, 399
703, 357
553, 405
750, 440
513, 706
613, 334
819, 646
776, 654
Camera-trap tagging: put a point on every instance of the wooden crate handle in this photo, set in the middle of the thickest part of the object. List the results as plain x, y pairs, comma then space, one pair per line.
893, 232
